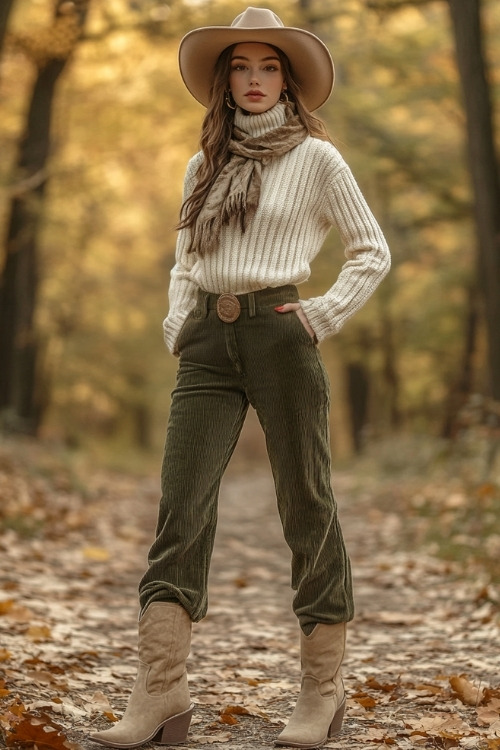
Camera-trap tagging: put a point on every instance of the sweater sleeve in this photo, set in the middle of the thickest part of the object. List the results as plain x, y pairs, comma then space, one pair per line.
182, 290
367, 253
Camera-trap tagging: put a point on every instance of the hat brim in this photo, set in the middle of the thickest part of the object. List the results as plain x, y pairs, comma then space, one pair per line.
311, 62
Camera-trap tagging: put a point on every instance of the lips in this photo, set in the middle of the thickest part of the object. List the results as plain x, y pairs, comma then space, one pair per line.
254, 94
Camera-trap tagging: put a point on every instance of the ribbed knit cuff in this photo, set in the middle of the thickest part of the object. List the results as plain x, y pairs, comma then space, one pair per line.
320, 318
171, 330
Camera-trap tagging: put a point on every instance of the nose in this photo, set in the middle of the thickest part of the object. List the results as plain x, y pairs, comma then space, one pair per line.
254, 77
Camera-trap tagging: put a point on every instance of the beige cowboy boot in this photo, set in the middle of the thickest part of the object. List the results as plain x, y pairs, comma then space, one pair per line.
319, 711
159, 707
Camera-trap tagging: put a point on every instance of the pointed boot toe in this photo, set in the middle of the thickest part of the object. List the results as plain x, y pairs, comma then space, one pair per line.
172, 731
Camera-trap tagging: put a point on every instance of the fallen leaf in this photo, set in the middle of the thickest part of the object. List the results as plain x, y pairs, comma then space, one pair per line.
371, 682
440, 725
228, 719
4, 690
16, 708
364, 700
210, 738
99, 554
431, 689
6, 606
239, 710
374, 735
468, 693
487, 715
39, 731
39, 633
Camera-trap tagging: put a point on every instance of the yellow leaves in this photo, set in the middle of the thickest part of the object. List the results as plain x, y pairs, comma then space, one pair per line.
56, 41
97, 554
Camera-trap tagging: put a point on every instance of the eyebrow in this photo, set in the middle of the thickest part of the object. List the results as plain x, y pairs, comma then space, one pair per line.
263, 59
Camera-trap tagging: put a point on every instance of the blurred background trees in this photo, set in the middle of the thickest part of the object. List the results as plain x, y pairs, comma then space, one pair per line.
95, 133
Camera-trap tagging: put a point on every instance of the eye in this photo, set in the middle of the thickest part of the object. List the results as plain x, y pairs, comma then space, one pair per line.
271, 68
238, 66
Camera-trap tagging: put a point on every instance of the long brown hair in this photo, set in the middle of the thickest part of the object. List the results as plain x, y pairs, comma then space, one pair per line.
217, 128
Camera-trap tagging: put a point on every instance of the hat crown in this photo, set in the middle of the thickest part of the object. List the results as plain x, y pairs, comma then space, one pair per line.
257, 18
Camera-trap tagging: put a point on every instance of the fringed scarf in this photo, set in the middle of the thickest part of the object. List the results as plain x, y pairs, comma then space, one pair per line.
236, 190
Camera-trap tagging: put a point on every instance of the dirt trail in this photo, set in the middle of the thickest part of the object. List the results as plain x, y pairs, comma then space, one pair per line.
418, 624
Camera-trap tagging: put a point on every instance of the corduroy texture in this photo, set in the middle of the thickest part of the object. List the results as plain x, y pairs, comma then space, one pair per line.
267, 359
303, 194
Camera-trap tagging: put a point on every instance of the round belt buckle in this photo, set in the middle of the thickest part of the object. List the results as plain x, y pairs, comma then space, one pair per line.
228, 308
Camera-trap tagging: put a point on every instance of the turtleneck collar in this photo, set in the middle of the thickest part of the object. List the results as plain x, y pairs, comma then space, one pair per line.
257, 125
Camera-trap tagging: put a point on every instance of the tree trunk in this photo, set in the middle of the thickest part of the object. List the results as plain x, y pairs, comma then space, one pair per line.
390, 372
462, 386
358, 388
5, 9
484, 169
19, 275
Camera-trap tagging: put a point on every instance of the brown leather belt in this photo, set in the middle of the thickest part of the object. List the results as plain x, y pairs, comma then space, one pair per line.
228, 306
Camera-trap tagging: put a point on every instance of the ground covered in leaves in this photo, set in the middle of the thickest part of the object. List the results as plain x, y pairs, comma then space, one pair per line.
423, 663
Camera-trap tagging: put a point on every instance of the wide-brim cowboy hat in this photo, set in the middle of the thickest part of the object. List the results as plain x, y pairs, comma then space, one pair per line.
309, 57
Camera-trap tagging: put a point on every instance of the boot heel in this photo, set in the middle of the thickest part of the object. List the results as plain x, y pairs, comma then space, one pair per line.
175, 730
337, 721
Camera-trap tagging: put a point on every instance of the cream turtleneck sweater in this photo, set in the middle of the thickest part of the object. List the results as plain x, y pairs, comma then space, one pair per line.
303, 194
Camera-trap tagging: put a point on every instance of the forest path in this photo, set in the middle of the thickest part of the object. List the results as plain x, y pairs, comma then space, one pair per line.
68, 611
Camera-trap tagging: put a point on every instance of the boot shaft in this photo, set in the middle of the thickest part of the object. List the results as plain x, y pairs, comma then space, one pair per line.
322, 652
164, 644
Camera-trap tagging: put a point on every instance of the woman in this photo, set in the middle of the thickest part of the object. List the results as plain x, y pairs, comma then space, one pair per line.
259, 200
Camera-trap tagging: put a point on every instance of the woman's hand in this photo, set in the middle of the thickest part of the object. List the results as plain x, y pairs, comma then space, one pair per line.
297, 308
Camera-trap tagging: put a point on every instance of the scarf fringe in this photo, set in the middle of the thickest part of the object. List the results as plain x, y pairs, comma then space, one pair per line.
235, 203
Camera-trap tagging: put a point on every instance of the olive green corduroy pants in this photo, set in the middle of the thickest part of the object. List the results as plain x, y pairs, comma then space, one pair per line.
266, 359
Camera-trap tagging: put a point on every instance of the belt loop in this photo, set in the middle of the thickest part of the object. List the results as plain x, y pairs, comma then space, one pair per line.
204, 297
251, 305
201, 309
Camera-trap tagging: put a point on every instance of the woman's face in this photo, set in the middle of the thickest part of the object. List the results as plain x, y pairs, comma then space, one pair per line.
256, 77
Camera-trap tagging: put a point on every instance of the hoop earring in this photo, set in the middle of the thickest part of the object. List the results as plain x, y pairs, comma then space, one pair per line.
284, 96
230, 103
